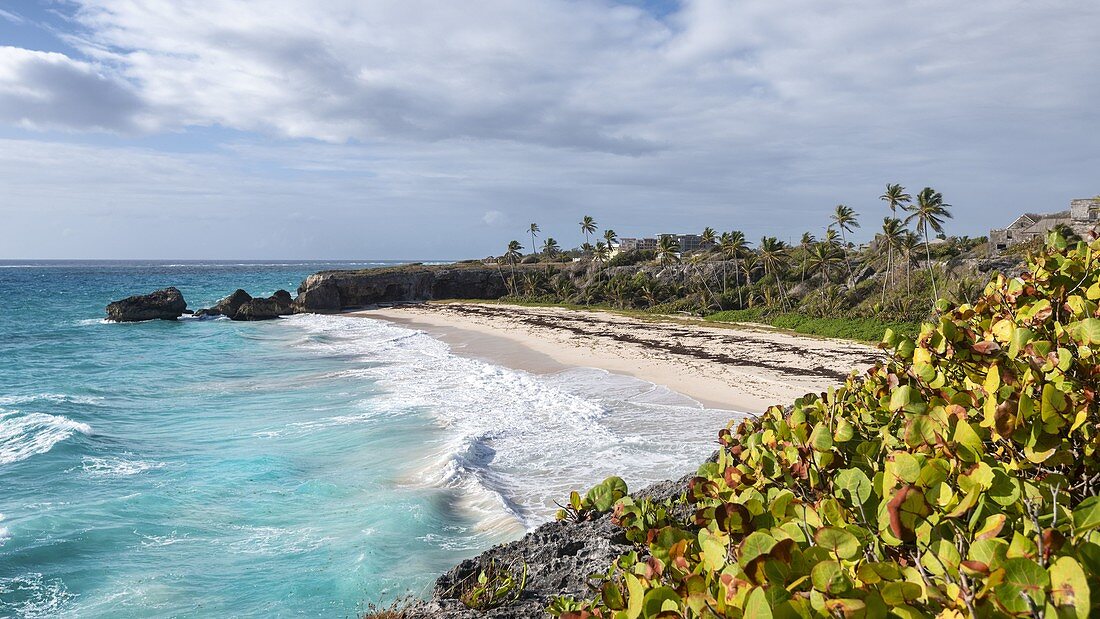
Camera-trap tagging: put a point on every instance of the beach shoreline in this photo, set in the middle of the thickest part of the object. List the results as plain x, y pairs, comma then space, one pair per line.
740, 369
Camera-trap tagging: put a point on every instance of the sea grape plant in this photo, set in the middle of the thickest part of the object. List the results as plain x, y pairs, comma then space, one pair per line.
959, 479
599, 499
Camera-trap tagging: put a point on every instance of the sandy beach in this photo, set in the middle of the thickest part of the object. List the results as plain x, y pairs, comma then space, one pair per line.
739, 368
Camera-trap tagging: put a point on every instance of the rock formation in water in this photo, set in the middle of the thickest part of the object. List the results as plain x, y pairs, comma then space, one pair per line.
227, 306
278, 304
166, 304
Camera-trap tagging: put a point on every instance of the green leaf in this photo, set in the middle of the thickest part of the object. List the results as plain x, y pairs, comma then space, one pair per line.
660, 598
755, 544
1069, 587
821, 439
840, 543
1086, 516
900, 398
1085, 331
855, 484
756, 605
715, 549
830, 577
1024, 579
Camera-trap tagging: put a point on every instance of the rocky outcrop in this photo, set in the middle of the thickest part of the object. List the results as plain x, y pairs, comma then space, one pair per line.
559, 556
242, 306
278, 304
166, 304
227, 306
332, 291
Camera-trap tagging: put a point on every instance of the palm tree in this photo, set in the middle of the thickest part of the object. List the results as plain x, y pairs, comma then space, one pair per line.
706, 239
773, 255
732, 245
804, 244
588, 226
930, 211
845, 219
895, 196
668, 250
512, 255
823, 256
600, 255
908, 244
610, 236
550, 247
832, 237
533, 230
891, 234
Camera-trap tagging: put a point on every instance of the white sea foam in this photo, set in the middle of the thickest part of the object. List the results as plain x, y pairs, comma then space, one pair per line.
5, 534
116, 467
15, 400
33, 596
23, 435
515, 443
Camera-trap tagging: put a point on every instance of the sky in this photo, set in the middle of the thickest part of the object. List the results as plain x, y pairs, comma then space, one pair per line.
409, 129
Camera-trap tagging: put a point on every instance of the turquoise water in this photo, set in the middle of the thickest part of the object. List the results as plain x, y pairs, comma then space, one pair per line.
298, 467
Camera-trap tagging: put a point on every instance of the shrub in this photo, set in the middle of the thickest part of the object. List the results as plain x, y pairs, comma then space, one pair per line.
960, 479
494, 586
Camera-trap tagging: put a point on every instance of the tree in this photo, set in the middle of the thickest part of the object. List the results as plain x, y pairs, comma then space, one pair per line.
895, 196
908, 244
804, 244
930, 211
550, 247
707, 237
512, 255
610, 236
773, 255
600, 255
890, 237
823, 256
668, 250
733, 246
588, 226
533, 230
845, 219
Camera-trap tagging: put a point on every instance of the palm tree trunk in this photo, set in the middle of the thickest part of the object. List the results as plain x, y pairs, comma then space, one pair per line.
886, 277
844, 249
928, 256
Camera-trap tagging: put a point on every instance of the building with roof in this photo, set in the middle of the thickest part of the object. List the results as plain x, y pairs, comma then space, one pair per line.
1083, 217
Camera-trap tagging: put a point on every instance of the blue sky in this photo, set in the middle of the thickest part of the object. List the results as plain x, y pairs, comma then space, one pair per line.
419, 129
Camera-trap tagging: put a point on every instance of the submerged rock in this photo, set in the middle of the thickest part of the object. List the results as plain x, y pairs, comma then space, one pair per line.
166, 304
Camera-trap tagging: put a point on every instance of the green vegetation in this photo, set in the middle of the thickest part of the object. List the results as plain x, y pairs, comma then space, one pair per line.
823, 286
495, 585
599, 498
958, 480
856, 328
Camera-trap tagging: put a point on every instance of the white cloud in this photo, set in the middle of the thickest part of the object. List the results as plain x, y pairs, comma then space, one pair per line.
45, 90
549, 109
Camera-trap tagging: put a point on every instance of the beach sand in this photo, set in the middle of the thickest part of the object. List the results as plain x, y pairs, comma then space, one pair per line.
735, 367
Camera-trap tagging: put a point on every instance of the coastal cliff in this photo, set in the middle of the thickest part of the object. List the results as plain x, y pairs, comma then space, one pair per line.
333, 291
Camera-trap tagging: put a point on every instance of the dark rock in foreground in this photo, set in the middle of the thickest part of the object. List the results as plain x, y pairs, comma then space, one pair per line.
559, 557
166, 304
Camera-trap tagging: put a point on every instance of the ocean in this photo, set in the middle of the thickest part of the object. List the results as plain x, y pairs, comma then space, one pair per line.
305, 466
